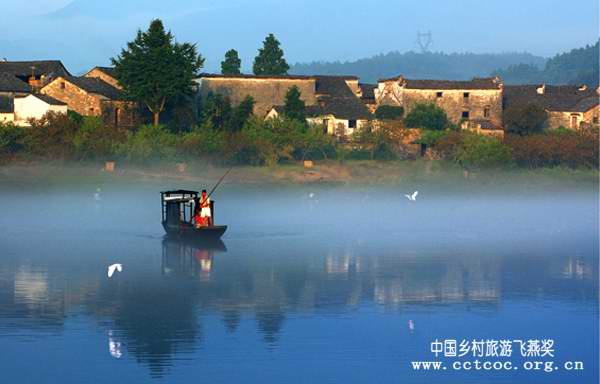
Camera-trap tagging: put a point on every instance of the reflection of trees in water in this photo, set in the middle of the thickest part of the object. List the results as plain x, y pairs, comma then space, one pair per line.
231, 319
157, 322
270, 320
157, 317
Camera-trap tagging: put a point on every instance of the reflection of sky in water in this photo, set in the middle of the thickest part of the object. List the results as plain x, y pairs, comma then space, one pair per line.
347, 286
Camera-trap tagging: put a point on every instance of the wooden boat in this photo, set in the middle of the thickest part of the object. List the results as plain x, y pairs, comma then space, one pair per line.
178, 213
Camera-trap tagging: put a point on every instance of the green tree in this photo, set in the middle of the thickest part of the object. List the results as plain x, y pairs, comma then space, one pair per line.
232, 63
524, 119
389, 112
240, 114
478, 151
270, 60
427, 116
154, 68
294, 107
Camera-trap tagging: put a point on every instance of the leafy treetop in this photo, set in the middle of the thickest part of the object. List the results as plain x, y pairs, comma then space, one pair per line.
270, 60
232, 63
154, 68
427, 116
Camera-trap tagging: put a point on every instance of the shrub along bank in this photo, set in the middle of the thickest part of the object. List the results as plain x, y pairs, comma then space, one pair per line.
239, 139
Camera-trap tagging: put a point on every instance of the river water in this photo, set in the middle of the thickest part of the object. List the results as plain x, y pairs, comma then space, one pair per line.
330, 284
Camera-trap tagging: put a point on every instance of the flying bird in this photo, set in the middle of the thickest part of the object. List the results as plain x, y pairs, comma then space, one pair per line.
113, 267
412, 197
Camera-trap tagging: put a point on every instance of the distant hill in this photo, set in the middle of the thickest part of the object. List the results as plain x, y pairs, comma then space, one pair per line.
579, 66
454, 66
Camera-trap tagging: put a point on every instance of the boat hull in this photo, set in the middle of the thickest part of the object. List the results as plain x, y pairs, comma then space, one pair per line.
188, 231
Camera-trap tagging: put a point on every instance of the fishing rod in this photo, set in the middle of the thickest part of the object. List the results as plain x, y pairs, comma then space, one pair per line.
218, 183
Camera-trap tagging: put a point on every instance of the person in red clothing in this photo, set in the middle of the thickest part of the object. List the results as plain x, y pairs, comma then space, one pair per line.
202, 214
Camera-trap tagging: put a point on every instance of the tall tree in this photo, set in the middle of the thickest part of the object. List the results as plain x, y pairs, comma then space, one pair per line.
294, 107
154, 69
270, 60
232, 63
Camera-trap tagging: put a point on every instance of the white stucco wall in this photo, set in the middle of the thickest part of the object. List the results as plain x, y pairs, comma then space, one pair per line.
31, 107
7, 117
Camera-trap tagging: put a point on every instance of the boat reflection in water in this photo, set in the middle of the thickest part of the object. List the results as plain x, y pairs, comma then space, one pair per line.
191, 258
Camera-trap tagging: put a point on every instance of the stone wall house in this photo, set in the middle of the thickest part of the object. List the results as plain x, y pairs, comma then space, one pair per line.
479, 98
35, 74
568, 106
338, 109
35, 106
91, 96
106, 74
266, 90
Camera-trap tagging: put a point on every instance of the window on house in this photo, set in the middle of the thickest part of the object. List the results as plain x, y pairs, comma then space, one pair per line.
574, 121
117, 116
465, 114
465, 95
62, 85
486, 112
439, 94
595, 120
91, 111
351, 123
325, 125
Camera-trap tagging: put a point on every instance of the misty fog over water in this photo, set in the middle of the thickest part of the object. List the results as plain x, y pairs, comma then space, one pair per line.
311, 284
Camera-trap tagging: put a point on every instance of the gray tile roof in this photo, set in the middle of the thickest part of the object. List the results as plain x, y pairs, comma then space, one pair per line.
336, 98
249, 76
50, 68
10, 83
49, 100
95, 85
565, 98
475, 83
487, 124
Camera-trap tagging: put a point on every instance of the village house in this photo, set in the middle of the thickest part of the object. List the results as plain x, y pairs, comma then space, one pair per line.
568, 106
266, 91
331, 101
338, 108
21, 110
34, 107
91, 96
479, 98
106, 74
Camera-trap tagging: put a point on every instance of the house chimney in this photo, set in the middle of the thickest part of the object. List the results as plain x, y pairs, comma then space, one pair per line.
540, 90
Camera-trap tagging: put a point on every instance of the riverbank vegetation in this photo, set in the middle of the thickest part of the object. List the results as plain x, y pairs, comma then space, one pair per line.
230, 135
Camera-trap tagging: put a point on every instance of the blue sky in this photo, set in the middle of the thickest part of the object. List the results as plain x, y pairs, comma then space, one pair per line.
84, 33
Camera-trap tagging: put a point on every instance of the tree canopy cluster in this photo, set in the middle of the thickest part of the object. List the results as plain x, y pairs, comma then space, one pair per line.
579, 66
